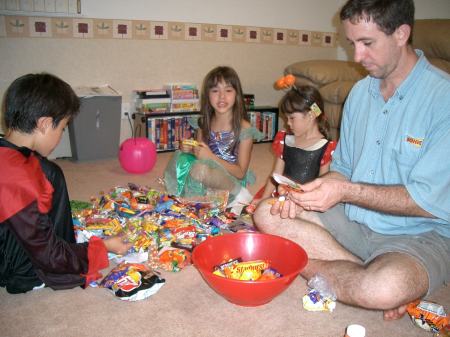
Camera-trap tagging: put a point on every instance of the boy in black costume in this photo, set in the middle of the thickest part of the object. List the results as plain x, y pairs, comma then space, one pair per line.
37, 243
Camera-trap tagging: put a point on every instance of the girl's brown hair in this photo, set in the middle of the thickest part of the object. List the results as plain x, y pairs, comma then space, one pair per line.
230, 77
300, 99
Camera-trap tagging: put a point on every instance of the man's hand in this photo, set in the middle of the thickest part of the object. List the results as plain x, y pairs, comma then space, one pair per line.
285, 207
319, 195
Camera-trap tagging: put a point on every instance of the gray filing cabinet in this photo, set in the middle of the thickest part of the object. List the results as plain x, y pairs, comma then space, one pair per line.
95, 131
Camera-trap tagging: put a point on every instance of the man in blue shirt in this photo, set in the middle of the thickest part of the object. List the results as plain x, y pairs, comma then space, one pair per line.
380, 236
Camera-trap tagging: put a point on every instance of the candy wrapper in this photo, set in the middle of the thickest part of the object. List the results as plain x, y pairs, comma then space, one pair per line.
212, 199
255, 270
174, 259
132, 282
314, 301
429, 316
287, 183
320, 297
241, 226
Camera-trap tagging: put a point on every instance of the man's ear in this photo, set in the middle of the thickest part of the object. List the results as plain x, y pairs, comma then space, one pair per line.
44, 123
402, 34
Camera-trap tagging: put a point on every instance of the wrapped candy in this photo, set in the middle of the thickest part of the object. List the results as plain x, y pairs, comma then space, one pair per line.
428, 315
315, 301
174, 259
256, 270
132, 281
320, 297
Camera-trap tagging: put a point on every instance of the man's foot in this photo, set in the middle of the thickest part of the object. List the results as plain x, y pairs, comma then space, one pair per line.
397, 313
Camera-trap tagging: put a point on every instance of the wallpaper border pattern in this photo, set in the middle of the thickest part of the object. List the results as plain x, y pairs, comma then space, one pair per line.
85, 28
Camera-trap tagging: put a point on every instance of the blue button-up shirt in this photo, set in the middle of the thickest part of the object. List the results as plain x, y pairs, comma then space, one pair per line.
402, 141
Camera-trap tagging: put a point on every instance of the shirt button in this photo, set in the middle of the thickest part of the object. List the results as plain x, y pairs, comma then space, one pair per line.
378, 142
371, 172
400, 97
385, 112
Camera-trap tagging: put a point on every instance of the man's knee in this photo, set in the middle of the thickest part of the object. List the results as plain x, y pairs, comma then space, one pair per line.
262, 217
386, 287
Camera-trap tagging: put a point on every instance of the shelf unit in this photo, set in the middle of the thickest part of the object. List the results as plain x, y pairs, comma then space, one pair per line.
167, 129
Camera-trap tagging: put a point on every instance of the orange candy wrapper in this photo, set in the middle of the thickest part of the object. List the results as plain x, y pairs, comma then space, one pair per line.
429, 316
174, 259
257, 270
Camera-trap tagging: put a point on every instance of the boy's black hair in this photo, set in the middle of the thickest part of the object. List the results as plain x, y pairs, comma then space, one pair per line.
387, 14
33, 96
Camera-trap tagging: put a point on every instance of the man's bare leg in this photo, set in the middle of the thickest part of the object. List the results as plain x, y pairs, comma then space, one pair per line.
388, 283
308, 232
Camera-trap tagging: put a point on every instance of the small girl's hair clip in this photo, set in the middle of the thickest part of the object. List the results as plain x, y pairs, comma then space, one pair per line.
285, 82
315, 109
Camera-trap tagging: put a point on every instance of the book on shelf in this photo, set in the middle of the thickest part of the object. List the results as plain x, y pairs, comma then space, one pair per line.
182, 91
184, 94
179, 105
264, 122
167, 132
249, 101
152, 93
151, 104
180, 86
157, 133
153, 108
153, 100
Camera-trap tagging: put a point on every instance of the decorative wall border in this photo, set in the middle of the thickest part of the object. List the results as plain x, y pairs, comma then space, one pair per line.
85, 28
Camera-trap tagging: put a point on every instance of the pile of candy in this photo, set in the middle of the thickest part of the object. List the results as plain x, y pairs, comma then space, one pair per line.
165, 226
258, 270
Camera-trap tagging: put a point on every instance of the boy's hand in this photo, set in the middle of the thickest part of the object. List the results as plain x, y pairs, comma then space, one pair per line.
117, 244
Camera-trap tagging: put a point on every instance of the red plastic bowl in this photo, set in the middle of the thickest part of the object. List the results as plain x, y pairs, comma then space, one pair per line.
287, 257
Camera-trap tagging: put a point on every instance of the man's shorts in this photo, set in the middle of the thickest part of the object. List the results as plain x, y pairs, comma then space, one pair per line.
430, 249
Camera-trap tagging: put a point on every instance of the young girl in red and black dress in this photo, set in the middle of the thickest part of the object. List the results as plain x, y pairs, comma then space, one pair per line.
304, 152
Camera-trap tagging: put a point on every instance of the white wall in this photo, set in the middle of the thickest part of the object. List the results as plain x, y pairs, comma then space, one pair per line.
294, 14
432, 9
320, 15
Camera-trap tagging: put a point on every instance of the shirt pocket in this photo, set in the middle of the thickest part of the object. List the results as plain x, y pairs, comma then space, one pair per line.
402, 164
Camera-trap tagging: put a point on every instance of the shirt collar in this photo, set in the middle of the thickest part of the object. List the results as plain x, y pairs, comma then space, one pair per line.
24, 150
408, 82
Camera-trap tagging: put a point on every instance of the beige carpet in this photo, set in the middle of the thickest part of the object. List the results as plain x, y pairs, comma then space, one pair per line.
185, 305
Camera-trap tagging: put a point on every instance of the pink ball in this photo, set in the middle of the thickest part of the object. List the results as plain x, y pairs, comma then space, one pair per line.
137, 155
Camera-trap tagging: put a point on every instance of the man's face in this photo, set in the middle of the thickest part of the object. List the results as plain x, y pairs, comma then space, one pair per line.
377, 52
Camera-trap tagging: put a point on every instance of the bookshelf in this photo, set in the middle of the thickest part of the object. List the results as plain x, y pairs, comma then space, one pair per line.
166, 129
